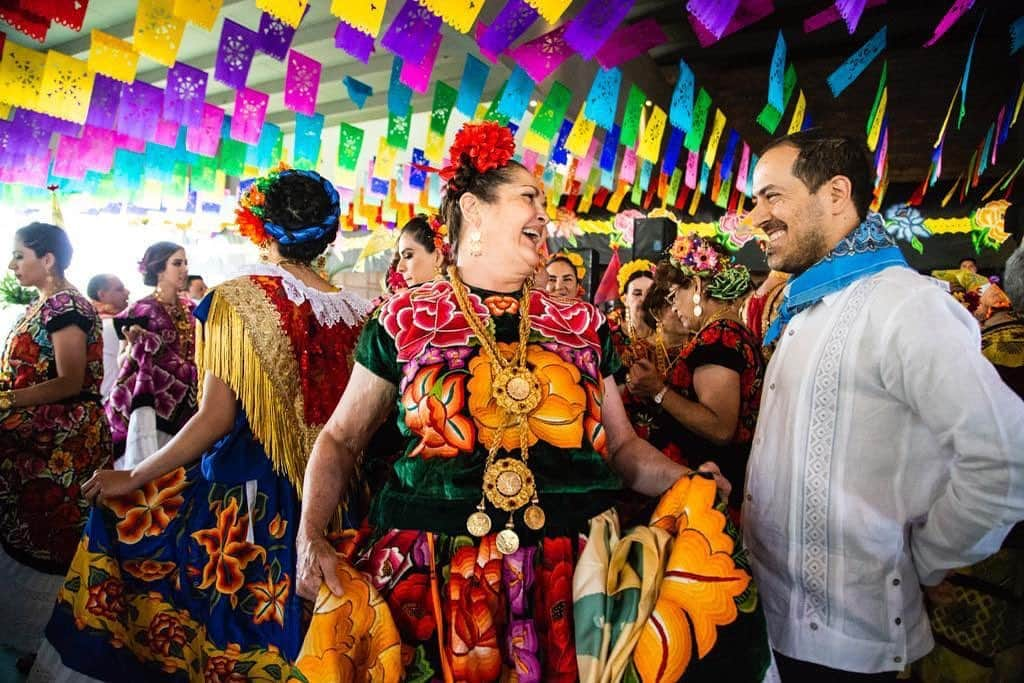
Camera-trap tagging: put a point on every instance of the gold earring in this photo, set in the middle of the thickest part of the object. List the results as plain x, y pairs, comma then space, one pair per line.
475, 248
697, 310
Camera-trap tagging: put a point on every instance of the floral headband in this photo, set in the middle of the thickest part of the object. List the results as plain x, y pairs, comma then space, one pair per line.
695, 256
575, 259
638, 266
440, 232
251, 214
488, 145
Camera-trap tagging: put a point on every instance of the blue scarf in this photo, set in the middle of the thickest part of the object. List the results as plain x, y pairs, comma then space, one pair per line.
865, 251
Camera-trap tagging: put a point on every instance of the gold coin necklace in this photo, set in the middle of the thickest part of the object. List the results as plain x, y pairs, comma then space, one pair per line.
508, 483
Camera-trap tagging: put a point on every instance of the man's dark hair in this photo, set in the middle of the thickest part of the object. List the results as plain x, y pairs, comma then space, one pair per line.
96, 285
193, 278
823, 155
969, 258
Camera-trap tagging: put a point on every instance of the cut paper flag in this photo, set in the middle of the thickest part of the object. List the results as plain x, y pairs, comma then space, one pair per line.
458, 14
777, 74
139, 110
850, 11
830, 15
770, 117
288, 11
201, 13
701, 109
551, 10
357, 91
717, 128
552, 112
541, 56
350, 144
797, 122
672, 151
66, 87
629, 42
856, 63
364, 15
157, 33
301, 83
399, 94
417, 76
234, 54
474, 76
595, 24
353, 41
747, 12
106, 96
308, 130
205, 138
875, 118
713, 15
953, 14
967, 73
681, 109
516, 96
650, 144
21, 74
412, 32
185, 94
441, 110
247, 120
276, 35
603, 98
398, 130
512, 21
631, 116
580, 136
112, 57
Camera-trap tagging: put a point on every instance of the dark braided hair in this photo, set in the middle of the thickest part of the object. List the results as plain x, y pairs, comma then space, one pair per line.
419, 229
295, 201
469, 180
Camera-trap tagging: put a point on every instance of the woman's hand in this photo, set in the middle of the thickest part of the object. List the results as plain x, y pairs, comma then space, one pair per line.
133, 333
105, 484
643, 380
723, 485
317, 563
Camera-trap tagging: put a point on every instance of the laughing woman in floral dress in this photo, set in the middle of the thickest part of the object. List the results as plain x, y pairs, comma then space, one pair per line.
187, 568
516, 438
53, 434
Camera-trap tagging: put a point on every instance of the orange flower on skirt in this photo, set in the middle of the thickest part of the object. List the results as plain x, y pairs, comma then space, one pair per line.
557, 419
229, 552
271, 597
701, 584
148, 570
433, 410
277, 526
476, 612
148, 511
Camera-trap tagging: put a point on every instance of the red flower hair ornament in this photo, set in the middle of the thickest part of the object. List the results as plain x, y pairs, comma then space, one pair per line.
488, 145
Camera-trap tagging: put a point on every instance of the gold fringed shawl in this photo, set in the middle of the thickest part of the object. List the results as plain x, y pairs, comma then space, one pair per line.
242, 343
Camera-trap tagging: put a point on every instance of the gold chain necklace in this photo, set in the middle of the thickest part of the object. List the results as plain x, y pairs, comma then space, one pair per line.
508, 482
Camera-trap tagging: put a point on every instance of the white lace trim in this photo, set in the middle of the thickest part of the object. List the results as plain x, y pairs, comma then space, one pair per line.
330, 308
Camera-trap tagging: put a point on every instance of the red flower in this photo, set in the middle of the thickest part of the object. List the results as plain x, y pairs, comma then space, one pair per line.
488, 145
569, 322
389, 558
554, 610
428, 315
251, 226
498, 304
165, 630
106, 599
410, 605
475, 608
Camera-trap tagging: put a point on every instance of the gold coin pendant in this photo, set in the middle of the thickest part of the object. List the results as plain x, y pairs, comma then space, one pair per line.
534, 517
478, 524
507, 542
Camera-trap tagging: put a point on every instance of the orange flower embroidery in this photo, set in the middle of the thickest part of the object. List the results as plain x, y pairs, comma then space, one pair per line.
698, 593
229, 552
148, 570
500, 305
557, 419
433, 410
148, 511
277, 526
270, 598
592, 422
475, 609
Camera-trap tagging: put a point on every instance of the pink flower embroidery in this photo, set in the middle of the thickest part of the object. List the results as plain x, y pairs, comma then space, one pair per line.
428, 316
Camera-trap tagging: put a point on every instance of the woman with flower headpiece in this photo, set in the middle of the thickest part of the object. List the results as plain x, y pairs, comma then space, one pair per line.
187, 568
705, 396
422, 251
154, 394
565, 273
515, 438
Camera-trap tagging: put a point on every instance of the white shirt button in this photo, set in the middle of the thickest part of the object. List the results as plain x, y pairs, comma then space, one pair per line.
771, 387
791, 332
814, 627
897, 659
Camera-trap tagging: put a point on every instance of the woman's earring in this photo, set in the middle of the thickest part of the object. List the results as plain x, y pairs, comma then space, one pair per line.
475, 248
697, 310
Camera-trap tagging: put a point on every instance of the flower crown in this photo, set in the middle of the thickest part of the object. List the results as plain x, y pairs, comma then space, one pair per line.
251, 212
695, 256
488, 145
627, 271
572, 257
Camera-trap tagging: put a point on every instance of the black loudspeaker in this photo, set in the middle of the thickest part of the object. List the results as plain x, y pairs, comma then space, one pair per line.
651, 237
592, 262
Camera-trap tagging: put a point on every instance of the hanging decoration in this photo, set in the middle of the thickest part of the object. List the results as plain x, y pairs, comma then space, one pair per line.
247, 120
770, 117
967, 73
831, 14
541, 56
399, 94
629, 42
471, 87
30, 23
953, 14
106, 96
276, 35
1016, 35
850, 11
650, 144
412, 32
353, 41
350, 144
185, 94
441, 110
856, 63
65, 88
202, 13
417, 76
631, 116
112, 57
205, 138
308, 133
301, 83
458, 14
234, 54
700, 120
595, 24
512, 21
157, 33
139, 110
551, 10
713, 15
516, 97
603, 98
548, 118
288, 11
358, 91
747, 13
877, 115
